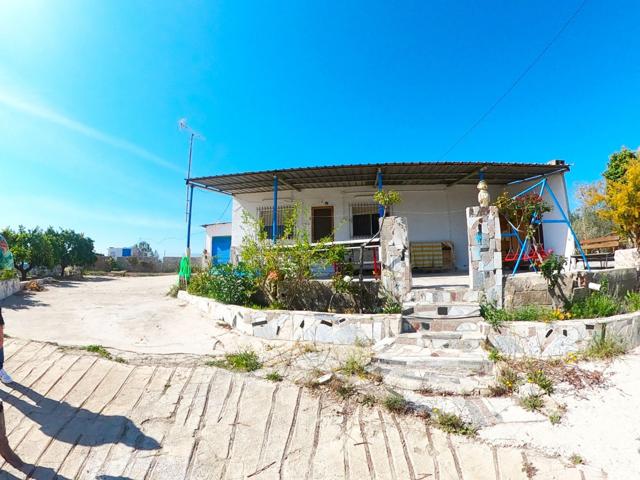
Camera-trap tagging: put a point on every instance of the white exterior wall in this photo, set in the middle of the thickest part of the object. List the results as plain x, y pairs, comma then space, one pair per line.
434, 213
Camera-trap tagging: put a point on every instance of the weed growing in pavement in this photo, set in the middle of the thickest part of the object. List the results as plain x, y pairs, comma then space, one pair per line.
362, 342
508, 379
368, 400
274, 377
100, 350
495, 355
540, 379
576, 459
395, 403
354, 365
605, 347
532, 403
173, 291
243, 361
345, 390
452, 423
555, 418
120, 360
529, 469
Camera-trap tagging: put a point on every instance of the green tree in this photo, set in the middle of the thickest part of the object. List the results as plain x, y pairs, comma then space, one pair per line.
586, 219
618, 164
30, 249
69, 248
145, 249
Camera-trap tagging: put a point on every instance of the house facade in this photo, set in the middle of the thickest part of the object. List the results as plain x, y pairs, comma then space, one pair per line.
339, 203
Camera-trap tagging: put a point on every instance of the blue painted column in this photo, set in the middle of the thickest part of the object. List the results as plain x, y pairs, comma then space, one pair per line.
274, 226
379, 182
189, 221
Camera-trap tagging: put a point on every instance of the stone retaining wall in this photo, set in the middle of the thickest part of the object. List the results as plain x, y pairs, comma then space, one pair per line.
531, 288
8, 288
557, 339
299, 325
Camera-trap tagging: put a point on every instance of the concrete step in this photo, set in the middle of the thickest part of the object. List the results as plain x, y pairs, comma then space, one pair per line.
463, 340
442, 310
443, 295
415, 367
420, 323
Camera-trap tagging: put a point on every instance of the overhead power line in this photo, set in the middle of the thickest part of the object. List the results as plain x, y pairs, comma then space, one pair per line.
515, 83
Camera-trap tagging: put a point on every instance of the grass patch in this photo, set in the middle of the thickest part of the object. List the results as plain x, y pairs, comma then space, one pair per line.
605, 347
354, 365
242, 361
576, 459
395, 403
452, 423
274, 377
362, 342
120, 360
532, 403
99, 350
541, 379
495, 316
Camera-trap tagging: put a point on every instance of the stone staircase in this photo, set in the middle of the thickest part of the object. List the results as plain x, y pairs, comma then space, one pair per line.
440, 347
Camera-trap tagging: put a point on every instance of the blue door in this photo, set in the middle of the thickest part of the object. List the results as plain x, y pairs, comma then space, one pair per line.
220, 250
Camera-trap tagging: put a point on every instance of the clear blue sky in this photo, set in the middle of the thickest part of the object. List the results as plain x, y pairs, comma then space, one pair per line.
91, 92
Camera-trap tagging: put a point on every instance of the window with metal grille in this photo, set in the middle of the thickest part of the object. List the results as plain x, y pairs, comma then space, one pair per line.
265, 215
364, 219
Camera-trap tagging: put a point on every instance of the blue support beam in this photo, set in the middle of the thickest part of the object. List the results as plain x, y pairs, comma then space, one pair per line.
274, 222
189, 220
379, 183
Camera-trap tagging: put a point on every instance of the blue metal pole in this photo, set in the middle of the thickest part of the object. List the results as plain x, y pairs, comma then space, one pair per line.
189, 221
274, 226
575, 237
379, 182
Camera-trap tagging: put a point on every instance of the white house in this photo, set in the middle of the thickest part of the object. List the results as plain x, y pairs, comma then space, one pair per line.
434, 197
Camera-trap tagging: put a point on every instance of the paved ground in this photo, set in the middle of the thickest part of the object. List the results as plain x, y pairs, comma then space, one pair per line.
79, 416
131, 313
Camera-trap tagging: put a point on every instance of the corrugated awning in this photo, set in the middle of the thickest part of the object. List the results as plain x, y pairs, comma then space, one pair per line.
393, 174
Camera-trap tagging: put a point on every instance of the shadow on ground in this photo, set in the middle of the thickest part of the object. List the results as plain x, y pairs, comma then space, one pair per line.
21, 301
76, 426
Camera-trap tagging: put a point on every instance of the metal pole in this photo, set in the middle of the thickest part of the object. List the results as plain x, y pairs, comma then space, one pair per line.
188, 252
274, 217
189, 173
379, 182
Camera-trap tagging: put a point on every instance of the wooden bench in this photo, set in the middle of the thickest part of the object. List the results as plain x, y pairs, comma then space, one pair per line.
600, 249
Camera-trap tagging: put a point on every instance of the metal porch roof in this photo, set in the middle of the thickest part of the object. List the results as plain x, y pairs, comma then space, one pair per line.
394, 174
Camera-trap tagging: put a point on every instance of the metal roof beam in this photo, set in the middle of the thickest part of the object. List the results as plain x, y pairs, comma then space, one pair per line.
468, 176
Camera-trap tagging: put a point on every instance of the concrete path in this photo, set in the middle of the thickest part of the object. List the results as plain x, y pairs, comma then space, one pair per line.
78, 416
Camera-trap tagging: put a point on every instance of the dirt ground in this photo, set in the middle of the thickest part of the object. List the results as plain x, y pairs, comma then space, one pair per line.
130, 313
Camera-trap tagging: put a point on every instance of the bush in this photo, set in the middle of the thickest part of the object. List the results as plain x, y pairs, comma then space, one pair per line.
7, 274
354, 365
225, 283
596, 305
632, 302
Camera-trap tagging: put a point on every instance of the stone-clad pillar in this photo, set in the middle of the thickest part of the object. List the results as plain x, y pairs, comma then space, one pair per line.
394, 257
485, 257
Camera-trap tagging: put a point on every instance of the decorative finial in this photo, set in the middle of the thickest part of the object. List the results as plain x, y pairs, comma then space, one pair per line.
483, 194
